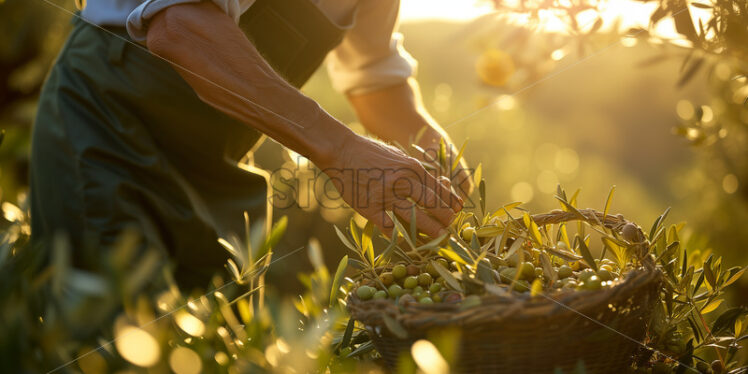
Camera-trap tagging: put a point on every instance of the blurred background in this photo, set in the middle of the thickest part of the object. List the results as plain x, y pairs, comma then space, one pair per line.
540, 100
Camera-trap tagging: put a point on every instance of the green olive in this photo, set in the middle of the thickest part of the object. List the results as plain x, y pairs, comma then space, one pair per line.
435, 287
410, 282
604, 275
413, 269
467, 233
381, 294
564, 271
436, 298
395, 290
592, 283
430, 269
424, 279
538, 271
387, 278
443, 262
365, 292
527, 271
585, 274
507, 275
399, 271
521, 286
426, 300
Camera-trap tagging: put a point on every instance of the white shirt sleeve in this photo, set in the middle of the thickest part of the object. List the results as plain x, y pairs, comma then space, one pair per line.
137, 21
371, 55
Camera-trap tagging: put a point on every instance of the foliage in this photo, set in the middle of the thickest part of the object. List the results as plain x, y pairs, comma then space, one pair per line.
131, 313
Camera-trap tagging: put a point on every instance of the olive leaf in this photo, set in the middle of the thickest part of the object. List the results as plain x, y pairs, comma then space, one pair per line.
366, 241
608, 201
448, 277
339, 273
585, 251
458, 157
727, 319
344, 239
346, 341
734, 277
711, 306
362, 349
355, 232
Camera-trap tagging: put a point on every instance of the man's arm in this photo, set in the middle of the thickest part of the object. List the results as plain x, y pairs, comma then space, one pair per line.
397, 114
213, 55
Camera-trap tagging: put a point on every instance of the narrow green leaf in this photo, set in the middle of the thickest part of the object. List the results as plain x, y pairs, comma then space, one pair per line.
734, 277
657, 223
362, 349
346, 341
586, 254
355, 233
608, 201
339, 274
366, 241
482, 190
478, 175
400, 228
448, 277
276, 233
458, 157
344, 239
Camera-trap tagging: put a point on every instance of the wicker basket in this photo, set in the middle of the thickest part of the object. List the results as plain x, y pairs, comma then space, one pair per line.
520, 334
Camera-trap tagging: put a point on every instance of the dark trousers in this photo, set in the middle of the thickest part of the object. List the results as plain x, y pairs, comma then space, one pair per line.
121, 141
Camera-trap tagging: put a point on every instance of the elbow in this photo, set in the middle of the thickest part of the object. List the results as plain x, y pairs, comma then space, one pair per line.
166, 31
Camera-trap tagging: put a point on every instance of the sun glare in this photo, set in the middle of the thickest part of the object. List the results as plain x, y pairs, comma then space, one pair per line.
631, 14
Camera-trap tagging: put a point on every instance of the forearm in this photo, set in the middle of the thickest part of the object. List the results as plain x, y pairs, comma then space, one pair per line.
217, 60
396, 114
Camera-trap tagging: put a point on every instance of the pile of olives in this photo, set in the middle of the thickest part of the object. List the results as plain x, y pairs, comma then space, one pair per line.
411, 282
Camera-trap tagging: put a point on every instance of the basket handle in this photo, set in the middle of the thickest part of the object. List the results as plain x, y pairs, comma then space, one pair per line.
629, 230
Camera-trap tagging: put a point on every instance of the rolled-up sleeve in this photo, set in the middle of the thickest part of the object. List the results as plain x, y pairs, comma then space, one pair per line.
371, 55
137, 21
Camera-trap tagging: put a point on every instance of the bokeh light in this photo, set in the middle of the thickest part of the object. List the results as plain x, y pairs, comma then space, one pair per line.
137, 346
522, 191
183, 360
189, 323
428, 358
730, 183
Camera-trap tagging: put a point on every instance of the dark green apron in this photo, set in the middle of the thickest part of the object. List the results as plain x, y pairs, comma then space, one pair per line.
121, 141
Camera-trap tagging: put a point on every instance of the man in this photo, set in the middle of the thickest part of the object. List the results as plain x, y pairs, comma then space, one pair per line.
127, 138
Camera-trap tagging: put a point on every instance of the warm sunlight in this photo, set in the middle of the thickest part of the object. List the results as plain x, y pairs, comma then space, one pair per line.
630, 13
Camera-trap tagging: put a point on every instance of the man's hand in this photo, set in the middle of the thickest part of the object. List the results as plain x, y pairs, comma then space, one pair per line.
373, 177
396, 114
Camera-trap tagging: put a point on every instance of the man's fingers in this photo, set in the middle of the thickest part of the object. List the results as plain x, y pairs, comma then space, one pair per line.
444, 192
424, 222
439, 209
